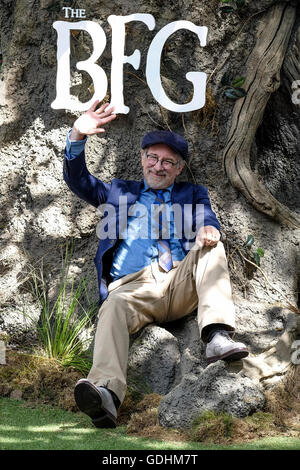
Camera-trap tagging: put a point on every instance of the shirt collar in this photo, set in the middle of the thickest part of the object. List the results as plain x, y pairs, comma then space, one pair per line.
147, 188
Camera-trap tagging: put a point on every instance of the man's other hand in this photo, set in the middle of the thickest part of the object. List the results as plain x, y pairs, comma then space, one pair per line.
208, 236
91, 121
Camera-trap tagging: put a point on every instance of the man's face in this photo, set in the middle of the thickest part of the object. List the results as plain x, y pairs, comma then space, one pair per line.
159, 176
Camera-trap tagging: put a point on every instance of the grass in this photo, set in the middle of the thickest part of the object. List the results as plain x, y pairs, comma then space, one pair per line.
63, 321
48, 417
48, 428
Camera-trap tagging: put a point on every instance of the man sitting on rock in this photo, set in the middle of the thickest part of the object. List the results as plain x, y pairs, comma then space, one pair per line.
154, 278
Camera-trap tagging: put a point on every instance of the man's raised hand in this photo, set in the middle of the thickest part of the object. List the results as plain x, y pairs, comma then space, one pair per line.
91, 121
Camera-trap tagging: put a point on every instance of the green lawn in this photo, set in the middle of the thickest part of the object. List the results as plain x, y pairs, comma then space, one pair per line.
46, 428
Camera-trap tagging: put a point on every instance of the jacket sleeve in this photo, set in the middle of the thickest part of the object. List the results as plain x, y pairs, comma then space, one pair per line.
81, 182
204, 213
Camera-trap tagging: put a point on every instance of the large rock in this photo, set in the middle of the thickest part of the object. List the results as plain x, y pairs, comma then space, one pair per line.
155, 357
216, 389
170, 360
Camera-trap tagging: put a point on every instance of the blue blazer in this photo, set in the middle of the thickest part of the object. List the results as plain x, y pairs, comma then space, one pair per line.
96, 192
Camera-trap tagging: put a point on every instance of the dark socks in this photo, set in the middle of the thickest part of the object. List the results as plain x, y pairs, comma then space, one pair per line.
209, 331
115, 398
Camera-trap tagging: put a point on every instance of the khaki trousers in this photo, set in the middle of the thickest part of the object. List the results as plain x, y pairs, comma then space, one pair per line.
200, 280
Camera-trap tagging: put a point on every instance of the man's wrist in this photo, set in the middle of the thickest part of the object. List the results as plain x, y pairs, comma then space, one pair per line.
76, 135
74, 147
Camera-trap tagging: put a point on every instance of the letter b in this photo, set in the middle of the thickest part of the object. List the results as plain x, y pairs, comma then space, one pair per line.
63, 98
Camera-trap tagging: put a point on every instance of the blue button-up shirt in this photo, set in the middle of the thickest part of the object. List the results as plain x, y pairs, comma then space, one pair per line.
138, 246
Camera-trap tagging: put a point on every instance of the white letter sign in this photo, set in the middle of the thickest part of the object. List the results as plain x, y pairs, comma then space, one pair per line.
118, 58
153, 68
63, 98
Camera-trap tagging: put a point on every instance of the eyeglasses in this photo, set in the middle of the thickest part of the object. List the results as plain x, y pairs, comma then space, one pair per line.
166, 164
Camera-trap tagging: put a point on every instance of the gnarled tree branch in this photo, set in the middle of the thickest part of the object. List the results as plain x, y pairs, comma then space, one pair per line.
263, 78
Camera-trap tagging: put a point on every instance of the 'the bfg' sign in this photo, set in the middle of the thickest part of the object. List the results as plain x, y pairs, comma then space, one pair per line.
63, 98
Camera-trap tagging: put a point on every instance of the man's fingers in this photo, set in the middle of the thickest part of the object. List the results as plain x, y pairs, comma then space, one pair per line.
208, 236
91, 121
102, 109
107, 119
211, 237
98, 123
199, 242
94, 105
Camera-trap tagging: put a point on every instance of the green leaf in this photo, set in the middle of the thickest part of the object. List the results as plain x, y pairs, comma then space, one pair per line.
257, 258
235, 93
240, 3
230, 94
226, 79
227, 9
240, 92
225, 1
249, 241
260, 252
238, 82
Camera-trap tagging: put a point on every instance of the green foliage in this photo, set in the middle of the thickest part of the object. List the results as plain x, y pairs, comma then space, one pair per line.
238, 4
226, 9
238, 82
63, 322
235, 93
233, 86
211, 426
249, 241
260, 421
256, 255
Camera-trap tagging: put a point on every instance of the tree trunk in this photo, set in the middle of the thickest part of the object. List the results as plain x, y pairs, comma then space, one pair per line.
261, 82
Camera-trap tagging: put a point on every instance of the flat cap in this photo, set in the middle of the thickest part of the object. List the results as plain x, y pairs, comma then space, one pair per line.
175, 141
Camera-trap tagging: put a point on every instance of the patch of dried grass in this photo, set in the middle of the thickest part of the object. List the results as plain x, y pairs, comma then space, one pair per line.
206, 117
38, 379
144, 415
221, 428
144, 422
284, 401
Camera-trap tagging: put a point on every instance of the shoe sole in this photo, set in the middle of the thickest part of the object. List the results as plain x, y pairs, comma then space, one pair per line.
230, 356
88, 400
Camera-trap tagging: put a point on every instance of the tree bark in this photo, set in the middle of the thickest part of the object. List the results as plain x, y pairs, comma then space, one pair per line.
261, 81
